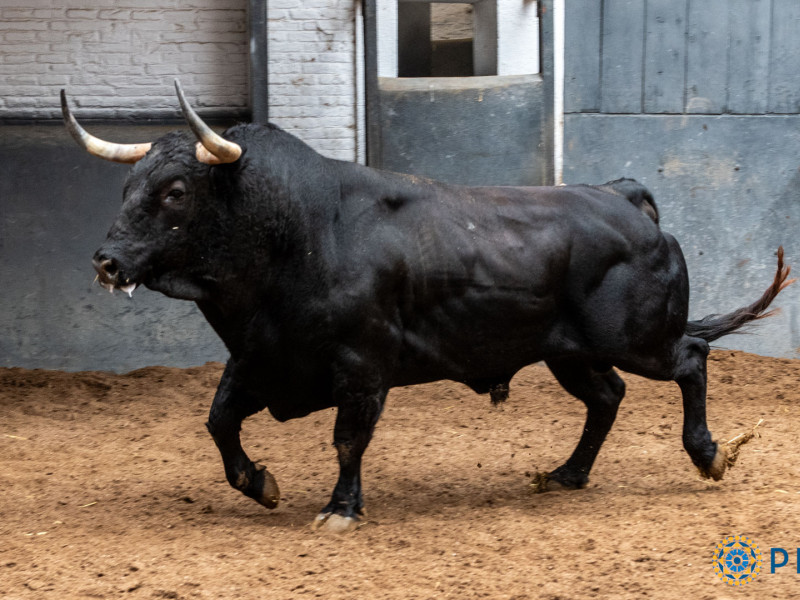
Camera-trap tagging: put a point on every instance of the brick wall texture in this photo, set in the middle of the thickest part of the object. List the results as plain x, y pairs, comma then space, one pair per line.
312, 72
118, 58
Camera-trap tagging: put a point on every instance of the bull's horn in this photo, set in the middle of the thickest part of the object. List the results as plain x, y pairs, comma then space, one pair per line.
121, 153
213, 149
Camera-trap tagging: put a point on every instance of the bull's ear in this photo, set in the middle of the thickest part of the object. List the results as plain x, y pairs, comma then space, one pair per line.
212, 149
121, 153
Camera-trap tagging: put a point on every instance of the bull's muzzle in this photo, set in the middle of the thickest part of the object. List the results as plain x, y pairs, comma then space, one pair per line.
107, 271
109, 276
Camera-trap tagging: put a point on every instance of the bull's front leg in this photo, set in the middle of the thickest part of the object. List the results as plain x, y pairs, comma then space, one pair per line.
230, 407
355, 422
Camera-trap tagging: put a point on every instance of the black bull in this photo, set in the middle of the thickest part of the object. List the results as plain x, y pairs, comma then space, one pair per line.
331, 283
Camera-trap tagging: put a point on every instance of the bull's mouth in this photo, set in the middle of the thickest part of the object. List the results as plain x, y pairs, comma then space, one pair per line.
111, 277
128, 288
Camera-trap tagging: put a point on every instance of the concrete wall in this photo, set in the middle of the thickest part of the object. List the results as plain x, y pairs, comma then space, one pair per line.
118, 58
56, 205
698, 100
728, 188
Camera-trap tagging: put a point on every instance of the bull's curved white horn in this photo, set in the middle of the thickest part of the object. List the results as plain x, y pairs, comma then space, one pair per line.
213, 149
121, 153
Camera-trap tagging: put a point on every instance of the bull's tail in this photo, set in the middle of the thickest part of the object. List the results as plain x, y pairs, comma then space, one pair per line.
714, 327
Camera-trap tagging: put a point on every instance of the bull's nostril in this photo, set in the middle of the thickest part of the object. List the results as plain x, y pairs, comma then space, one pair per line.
109, 266
107, 270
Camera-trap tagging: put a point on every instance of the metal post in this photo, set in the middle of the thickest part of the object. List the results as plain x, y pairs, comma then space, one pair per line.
558, 91
374, 153
259, 66
548, 129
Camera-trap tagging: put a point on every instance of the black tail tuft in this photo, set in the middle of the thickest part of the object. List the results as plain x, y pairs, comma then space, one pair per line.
713, 327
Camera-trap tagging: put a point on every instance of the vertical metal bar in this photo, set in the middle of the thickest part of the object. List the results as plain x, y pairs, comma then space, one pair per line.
259, 65
546, 42
558, 91
360, 83
373, 110
644, 58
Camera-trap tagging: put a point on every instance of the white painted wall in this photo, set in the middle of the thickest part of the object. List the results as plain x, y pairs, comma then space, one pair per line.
517, 37
118, 58
386, 25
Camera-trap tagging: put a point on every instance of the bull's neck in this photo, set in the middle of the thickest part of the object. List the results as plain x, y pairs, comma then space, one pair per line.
275, 253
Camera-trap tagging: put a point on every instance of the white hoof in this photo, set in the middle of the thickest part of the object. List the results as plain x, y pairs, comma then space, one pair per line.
333, 523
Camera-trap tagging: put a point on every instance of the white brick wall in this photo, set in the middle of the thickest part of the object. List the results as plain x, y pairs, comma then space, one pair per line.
118, 58
312, 88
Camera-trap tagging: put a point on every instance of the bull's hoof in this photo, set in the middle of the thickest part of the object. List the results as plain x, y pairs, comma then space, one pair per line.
541, 483
265, 488
335, 523
545, 482
717, 467
560, 479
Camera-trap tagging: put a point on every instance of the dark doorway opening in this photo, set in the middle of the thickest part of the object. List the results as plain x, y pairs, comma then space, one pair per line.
435, 39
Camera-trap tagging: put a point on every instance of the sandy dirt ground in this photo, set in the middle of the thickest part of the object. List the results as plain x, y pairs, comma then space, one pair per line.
112, 488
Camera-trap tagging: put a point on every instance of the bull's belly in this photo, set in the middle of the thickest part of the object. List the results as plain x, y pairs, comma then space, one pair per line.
464, 341
462, 366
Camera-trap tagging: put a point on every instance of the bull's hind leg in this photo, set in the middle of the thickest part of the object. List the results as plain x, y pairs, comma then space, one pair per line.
230, 407
602, 392
690, 375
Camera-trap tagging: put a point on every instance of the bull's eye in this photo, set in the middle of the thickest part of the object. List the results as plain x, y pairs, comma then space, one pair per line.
173, 195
